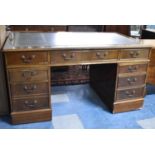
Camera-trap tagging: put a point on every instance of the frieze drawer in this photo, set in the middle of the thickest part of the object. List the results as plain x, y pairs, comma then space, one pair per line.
134, 54
27, 58
66, 57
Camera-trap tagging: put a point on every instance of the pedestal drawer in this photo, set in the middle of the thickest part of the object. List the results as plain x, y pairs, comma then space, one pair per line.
130, 93
132, 68
131, 81
27, 58
134, 53
26, 89
30, 103
129, 105
28, 74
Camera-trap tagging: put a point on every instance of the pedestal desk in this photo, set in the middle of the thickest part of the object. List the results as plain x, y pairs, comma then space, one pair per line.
118, 69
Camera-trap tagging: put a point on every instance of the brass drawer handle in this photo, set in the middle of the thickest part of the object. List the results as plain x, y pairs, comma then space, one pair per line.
130, 93
131, 80
102, 56
28, 59
134, 54
72, 56
27, 74
30, 89
132, 68
30, 104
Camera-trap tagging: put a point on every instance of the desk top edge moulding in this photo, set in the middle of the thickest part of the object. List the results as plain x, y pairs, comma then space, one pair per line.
118, 69
62, 40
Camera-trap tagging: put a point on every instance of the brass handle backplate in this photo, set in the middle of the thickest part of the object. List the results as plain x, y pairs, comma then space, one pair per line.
30, 104
102, 55
134, 54
70, 57
28, 59
130, 93
30, 89
132, 68
131, 80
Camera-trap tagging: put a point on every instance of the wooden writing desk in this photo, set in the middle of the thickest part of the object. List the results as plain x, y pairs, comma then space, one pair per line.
118, 69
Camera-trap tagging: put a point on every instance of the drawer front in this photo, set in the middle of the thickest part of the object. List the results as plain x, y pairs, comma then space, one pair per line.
124, 106
63, 57
28, 75
130, 93
132, 68
134, 54
27, 58
104, 54
32, 103
18, 90
131, 81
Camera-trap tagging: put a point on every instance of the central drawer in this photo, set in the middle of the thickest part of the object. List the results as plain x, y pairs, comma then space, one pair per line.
27, 89
64, 57
27, 58
130, 93
28, 74
131, 81
31, 103
134, 54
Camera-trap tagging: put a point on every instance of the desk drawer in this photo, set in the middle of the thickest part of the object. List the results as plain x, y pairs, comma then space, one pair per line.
103, 54
129, 105
26, 58
32, 103
132, 68
130, 93
27, 89
134, 54
131, 81
64, 57
28, 74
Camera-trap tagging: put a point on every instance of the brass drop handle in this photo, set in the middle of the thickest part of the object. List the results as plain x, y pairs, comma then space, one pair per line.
68, 57
132, 80
132, 68
28, 59
30, 104
130, 94
102, 56
28, 74
30, 89
134, 54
